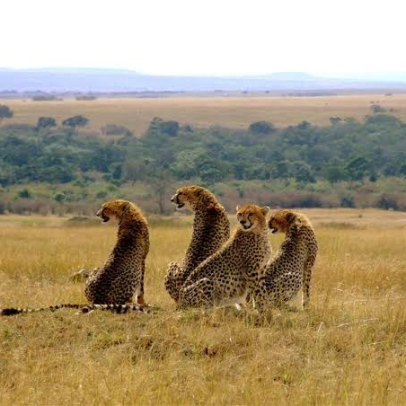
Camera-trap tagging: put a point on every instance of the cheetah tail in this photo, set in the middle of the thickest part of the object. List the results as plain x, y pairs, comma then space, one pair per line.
85, 308
12, 311
115, 308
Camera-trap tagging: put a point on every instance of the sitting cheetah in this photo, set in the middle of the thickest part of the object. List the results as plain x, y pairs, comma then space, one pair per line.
122, 276
291, 267
211, 229
231, 273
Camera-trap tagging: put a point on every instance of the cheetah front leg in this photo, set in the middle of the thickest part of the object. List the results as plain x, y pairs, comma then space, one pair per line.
263, 308
140, 295
307, 275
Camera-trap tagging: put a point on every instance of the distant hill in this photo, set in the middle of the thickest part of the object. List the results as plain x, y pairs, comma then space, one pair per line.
114, 80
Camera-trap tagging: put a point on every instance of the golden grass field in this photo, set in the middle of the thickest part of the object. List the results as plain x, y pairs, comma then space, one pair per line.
348, 348
234, 112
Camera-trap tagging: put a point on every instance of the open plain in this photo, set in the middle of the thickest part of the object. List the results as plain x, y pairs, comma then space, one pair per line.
233, 112
348, 348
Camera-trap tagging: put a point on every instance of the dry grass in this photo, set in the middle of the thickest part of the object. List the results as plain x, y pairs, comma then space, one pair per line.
349, 348
234, 112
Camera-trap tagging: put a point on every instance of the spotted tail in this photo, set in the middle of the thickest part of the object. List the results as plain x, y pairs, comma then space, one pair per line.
85, 308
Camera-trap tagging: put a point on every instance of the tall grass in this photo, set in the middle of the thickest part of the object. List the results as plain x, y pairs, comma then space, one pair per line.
348, 348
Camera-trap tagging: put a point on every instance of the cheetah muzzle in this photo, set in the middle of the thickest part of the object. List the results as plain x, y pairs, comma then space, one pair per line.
175, 200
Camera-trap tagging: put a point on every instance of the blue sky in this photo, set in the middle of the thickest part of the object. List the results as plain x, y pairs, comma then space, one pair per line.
205, 37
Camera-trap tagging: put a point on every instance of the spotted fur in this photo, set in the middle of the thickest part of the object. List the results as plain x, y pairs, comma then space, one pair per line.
211, 229
226, 277
291, 267
122, 276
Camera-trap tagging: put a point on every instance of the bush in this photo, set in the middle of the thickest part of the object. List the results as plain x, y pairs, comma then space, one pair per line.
76, 121
46, 122
376, 108
261, 127
391, 201
46, 97
296, 199
25, 194
116, 129
85, 97
3, 207
59, 197
5, 112
102, 194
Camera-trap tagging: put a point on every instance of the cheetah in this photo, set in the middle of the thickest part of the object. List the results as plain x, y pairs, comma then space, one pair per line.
122, 276
229, 275
113, 285
291, 267
211, 229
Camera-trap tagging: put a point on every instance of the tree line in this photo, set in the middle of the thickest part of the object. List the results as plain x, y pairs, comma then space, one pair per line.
302, 156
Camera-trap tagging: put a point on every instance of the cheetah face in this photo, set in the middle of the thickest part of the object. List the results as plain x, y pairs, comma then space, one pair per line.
187, 194
273, 225
114, 208
281, 220
251, 216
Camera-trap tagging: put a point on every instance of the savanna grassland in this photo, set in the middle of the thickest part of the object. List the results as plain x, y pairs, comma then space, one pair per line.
232, 112
348, 348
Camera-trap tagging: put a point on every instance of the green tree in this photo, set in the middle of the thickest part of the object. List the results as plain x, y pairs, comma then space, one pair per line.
335, 120
5, 112
335, 173
358, 168
45, 122
25, 194
170, 127
303, 172
376, 108
75, 122
261, 127
59, 197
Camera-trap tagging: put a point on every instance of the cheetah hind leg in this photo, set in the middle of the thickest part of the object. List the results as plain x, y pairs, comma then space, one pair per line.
200, 294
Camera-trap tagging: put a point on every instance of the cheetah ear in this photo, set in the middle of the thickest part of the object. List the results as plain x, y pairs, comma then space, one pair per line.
265, 210
126, 206
237, 208
290, 217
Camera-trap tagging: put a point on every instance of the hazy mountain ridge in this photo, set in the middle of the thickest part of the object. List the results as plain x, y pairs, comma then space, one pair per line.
116, 80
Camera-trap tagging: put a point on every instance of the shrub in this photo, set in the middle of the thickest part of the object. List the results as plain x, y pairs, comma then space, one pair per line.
102, 194
86, 97
261, 127
46, 122
116, 129
25, 194
46, 97
59, 197
376, 108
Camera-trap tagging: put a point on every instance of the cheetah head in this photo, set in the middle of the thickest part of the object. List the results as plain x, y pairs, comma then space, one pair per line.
194, 196
281, 220
114, 208
251, 217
